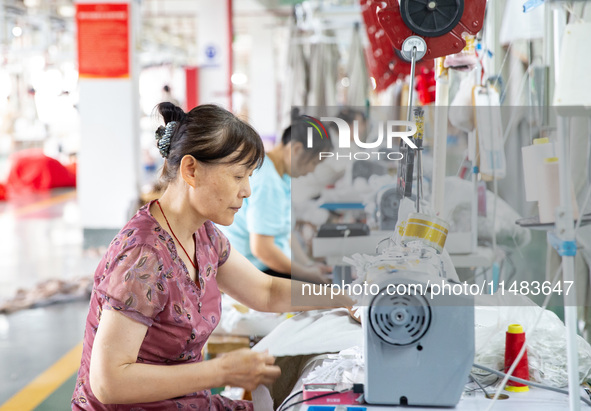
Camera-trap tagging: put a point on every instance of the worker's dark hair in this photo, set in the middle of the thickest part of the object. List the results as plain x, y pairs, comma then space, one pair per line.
298, 132
212, 135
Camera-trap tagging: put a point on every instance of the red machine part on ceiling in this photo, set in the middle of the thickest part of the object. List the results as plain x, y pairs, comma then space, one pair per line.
440, 23
384, 63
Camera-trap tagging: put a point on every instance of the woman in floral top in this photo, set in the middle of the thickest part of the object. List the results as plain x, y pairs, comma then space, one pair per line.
156, 296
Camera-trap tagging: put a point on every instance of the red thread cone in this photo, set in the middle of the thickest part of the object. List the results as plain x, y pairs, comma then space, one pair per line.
514, 340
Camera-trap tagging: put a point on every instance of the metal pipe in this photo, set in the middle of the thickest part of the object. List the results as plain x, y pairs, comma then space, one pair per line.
412, 81
413, 58
440, 137
565, 231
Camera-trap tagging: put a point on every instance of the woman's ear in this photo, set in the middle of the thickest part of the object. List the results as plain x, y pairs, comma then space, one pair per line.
189, 170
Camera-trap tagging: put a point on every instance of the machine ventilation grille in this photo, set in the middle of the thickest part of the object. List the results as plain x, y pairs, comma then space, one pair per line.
400, 319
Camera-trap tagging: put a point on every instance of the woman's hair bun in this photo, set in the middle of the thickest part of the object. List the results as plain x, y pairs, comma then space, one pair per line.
171, 112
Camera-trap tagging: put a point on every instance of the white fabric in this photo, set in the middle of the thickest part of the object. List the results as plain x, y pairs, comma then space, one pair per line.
517, 25
236, 321
313, 332
457, 213
313, 184
358, 90
461, 112
324, 57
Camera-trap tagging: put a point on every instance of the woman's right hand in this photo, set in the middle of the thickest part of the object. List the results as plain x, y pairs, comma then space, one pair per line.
248, 369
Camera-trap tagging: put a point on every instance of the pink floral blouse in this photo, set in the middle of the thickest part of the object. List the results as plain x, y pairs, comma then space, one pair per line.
143, 278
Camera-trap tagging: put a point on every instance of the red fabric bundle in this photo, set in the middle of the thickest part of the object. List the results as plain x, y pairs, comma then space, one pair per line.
31, 170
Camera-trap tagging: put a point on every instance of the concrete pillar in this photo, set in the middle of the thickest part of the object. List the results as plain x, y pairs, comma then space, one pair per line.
108, 166
214, 58
262, 99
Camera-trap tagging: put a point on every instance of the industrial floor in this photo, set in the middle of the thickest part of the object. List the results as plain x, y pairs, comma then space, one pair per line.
40, 347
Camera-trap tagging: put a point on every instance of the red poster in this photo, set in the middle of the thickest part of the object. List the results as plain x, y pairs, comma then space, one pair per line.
103, 40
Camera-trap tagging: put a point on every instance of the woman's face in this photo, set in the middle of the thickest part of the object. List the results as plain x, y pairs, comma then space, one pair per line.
220, 190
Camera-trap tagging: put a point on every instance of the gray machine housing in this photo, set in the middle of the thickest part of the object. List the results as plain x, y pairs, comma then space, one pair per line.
418, 350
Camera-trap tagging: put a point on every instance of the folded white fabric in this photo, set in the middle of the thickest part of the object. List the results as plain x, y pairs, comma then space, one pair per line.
313, 332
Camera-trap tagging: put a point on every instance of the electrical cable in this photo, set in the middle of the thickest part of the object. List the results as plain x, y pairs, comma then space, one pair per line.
480, 385
494, 216
288, 399
527, 382
511, 269
503, 63
514, 113
486, 386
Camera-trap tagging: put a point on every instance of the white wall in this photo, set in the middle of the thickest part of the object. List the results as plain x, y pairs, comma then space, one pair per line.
262, 98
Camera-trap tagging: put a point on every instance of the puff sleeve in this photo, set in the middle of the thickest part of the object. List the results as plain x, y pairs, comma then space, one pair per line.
135, 284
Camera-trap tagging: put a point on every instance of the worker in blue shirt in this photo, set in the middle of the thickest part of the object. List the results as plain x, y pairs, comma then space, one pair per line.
262, 228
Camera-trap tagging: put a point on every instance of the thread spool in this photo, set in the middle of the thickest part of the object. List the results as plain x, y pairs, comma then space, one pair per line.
430, 230
514, 340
